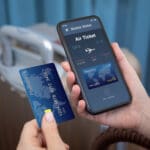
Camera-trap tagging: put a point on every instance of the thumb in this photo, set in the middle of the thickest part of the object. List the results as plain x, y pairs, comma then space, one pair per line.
50, 131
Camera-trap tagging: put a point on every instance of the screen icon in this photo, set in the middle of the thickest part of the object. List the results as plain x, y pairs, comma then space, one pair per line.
67, 29
89, 50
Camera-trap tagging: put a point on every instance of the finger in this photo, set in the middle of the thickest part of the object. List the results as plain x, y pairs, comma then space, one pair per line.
74, 95
81, 109
67, 146
128, 72
31, 128
70, 80
30, 135
50, 131
66, 66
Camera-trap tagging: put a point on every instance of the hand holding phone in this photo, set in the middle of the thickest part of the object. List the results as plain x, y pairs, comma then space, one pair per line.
94, 64
133, 116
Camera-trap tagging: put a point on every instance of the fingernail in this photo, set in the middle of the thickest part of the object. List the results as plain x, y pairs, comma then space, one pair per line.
116, 44
49, 115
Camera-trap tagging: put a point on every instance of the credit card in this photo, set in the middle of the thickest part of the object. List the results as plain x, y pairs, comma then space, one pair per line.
45, 92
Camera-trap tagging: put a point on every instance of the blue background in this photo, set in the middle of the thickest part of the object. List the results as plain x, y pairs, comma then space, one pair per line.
126, 21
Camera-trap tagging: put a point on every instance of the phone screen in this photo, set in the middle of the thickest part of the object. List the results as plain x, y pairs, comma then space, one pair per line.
94, 62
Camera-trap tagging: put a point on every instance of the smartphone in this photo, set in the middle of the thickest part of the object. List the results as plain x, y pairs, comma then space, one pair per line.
91, 57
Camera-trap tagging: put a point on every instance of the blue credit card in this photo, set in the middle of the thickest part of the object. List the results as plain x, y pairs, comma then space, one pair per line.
45, 91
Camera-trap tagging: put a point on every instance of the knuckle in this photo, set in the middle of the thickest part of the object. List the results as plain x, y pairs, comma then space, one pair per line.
27, 125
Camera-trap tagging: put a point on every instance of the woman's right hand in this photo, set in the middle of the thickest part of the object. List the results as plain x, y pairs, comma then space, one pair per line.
135, 115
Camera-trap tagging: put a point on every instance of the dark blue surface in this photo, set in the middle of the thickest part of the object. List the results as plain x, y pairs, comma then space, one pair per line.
45, 91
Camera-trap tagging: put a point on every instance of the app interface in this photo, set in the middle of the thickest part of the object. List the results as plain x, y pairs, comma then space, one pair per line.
90, 52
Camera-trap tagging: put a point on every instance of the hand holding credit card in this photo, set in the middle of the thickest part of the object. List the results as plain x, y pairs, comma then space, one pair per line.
45, 92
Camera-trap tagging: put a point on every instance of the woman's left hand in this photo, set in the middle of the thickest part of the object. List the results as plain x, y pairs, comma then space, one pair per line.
47, 138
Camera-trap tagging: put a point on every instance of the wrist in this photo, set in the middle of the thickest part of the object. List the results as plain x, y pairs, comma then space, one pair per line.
144, 123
